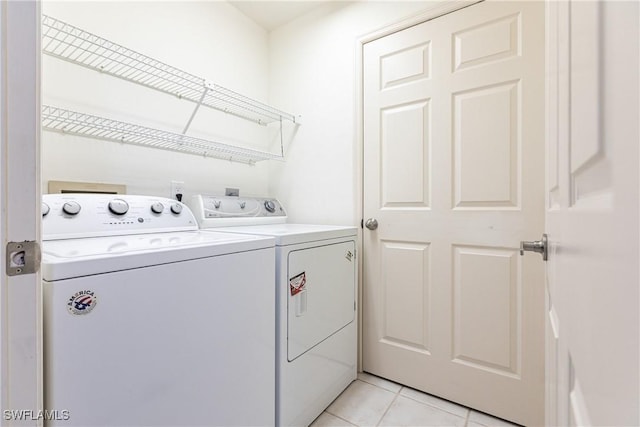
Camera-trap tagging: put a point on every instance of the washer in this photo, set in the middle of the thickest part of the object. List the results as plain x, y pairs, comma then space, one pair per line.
316, 331
150, 322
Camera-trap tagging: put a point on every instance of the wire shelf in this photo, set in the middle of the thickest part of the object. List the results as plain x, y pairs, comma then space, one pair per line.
73, 44
74, 123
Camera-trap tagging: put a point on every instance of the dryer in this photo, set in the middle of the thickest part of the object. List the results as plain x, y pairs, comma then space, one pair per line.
150, 322
315, 288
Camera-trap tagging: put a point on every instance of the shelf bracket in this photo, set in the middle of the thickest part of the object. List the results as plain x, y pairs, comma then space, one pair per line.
281, 140
195, 110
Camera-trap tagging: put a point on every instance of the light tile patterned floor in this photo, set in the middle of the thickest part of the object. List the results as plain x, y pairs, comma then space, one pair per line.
373, 401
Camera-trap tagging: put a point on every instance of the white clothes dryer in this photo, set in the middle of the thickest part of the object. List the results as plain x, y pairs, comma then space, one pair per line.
315, 287
150, 322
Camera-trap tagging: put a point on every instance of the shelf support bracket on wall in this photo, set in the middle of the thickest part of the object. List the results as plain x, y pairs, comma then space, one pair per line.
207, 87
281, 140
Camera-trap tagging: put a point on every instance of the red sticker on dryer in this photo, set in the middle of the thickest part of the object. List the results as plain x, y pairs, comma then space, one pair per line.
296, 283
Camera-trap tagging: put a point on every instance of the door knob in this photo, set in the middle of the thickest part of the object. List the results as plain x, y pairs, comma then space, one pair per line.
539, 246
371, 224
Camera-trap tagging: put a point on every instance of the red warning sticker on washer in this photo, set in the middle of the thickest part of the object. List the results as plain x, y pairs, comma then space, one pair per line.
296, 283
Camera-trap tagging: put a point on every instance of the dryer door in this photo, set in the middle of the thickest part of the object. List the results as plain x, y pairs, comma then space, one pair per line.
321, 294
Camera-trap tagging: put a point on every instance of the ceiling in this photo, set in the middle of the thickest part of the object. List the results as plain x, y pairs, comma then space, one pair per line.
272, 14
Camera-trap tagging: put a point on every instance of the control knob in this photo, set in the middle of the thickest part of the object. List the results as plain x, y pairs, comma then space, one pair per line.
270, 206
118, 207
157, 208
71, 208
45, 209
176, 208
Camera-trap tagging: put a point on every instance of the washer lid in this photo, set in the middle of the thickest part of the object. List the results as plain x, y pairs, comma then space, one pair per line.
291, 234
63, 259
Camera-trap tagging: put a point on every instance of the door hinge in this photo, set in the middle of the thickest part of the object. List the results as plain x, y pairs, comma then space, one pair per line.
23, 258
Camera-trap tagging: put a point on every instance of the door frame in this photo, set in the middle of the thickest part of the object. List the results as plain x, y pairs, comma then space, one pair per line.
21, 348
435, 11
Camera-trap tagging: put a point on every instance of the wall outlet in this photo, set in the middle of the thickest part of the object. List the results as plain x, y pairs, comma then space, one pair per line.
177, 187
232, 192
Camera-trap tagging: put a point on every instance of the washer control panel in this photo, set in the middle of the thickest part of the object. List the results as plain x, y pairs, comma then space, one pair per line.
94, 215
221, 211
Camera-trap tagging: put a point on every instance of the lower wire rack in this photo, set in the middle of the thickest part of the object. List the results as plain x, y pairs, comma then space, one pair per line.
75, 123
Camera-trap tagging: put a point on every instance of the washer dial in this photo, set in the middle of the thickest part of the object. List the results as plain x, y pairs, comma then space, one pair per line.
118, 207
71, 208
157, 208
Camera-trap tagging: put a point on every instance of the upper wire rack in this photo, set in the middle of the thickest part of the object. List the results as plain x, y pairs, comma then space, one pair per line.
72, 122
73, 44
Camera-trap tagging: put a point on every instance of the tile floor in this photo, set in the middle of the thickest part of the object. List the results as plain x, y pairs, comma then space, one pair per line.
373, 401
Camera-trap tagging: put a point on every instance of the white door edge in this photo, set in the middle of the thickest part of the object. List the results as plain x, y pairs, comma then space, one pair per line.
20, 300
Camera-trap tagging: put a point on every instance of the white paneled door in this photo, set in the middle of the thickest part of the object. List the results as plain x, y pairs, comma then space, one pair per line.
454, 176
592, 214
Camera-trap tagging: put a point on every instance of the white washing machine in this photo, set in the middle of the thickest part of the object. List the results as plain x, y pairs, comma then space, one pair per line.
150, 322
316, 333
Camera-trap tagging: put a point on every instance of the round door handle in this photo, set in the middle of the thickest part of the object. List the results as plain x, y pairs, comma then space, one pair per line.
371, 224
540, 246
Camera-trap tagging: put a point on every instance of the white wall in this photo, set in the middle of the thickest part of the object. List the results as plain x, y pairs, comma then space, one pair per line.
306, 67
210, 39
313, 73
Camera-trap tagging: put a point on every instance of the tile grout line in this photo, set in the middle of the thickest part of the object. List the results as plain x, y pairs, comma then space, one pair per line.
399, 393
438, 407
466, 419
340, 418
335, 415
379, 386
390, 405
